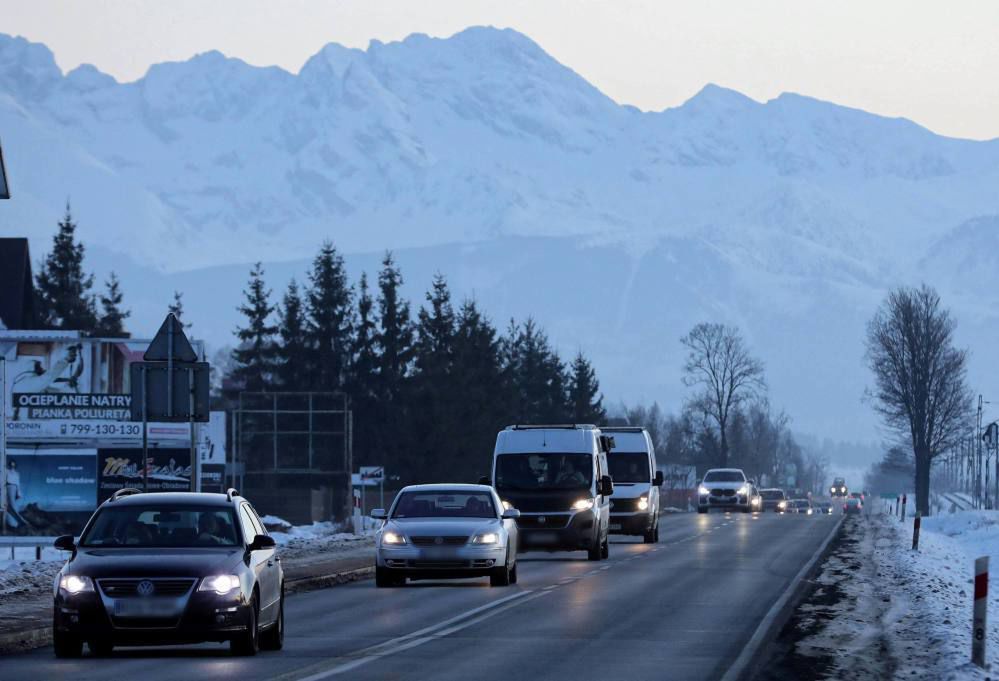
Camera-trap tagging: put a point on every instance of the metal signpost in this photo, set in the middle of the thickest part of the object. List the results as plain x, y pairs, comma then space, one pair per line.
170, 386
3, 445
373, 474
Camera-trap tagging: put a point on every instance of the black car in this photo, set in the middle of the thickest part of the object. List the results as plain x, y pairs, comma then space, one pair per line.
774, 500
167, 568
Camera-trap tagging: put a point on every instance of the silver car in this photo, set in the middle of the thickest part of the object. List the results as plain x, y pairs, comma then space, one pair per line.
446, 532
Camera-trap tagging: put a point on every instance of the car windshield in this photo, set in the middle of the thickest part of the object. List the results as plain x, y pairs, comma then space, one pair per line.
724, 476
536, 472
162, 526
772, 494
801, 503
445, 504
629, 467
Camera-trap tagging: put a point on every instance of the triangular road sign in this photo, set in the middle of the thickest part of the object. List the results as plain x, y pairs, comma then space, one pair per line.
159, 349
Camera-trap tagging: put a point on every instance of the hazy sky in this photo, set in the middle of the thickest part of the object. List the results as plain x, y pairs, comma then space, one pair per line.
934, 62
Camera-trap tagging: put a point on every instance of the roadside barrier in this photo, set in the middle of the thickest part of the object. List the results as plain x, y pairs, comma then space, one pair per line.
915, 532
978, 622
903, 508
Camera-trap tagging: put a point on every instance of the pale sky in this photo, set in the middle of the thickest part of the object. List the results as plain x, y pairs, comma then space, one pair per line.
934, 62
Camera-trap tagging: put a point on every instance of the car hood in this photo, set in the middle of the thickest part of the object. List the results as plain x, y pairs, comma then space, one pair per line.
443, 527
125, 562
723, 485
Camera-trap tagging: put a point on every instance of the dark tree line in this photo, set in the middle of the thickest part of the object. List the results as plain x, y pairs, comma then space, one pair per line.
429, 388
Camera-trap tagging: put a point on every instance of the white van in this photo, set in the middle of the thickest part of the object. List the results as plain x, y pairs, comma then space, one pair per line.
635, 506
558, 478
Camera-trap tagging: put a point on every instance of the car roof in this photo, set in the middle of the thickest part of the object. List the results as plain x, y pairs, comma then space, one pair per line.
173, 498
443, 486
729, 470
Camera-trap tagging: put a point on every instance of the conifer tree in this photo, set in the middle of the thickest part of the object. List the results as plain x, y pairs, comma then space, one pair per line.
394, 337
585, 399
176, 308
254, 357
111, 323
330, 320
292, 354
64, 298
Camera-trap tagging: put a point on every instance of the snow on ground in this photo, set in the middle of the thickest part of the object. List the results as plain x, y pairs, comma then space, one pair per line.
24, 574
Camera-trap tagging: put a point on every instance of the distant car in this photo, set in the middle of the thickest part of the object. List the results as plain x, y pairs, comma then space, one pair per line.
852, 506
823, 507
838, 488
773, 500
446, 532
167, 568
725, 488
802, 506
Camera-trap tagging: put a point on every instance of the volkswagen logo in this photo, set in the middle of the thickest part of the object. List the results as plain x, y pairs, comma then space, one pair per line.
145, 588
439, 541
542, 520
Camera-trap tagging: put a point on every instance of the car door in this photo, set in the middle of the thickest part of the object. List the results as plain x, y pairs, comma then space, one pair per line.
258, 563
272, 574
603, 500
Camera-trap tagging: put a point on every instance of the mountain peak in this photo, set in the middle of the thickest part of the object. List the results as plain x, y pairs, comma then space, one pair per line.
27, 68
715, 97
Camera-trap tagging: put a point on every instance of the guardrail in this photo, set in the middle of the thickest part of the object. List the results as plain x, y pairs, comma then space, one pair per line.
20, 542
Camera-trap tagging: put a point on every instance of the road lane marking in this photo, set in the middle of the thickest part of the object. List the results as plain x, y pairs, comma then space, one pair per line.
417, 638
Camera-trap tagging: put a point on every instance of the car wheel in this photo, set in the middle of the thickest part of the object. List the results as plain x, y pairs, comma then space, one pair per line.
649, 536
65, 644
384, 579
513, 574
500, 576
701, 509
101, 647
246, 644
605, 549
273, 638
595, 553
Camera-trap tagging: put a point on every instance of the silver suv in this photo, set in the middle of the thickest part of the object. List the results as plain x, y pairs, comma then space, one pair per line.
726, 488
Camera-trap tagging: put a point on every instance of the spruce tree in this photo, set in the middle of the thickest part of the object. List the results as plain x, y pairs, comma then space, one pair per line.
585, 399
365, 357
394, 337
64, 298
330, 323
292, 353
111, 323
254, 357
176, 308
536, 374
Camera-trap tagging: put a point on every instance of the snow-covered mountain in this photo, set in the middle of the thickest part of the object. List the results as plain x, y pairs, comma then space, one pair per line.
483, 157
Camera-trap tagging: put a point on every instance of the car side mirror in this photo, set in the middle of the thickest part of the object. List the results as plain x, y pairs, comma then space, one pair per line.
659, 479
261, 542
511, 514
379, 514
65, 543
606, 486
484, 480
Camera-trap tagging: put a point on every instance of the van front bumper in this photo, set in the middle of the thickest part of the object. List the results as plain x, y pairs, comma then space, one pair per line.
632, 523
577, 531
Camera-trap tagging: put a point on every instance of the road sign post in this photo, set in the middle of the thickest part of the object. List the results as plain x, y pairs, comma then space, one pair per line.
979, 618
3, 445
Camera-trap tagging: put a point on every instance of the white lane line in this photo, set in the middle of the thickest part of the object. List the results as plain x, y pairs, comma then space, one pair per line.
427, 634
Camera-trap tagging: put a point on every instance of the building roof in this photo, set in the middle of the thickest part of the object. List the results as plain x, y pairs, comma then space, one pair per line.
17, 290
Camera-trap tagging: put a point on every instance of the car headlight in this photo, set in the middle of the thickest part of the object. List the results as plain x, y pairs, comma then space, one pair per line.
755, 501
583, 505
781, 504
643, 504
74, 584
485, 538
394, 538
703, 491
220, 584
743, 490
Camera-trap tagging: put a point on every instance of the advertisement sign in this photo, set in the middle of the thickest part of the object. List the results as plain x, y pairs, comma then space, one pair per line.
212, 453
169, 470
50, 491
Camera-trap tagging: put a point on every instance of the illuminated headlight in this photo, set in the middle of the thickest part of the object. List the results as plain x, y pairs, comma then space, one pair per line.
220, 584
485, 538
782, 504
583, 505
72, 584
755, 501
743, 490
703, 491
393, 538
643, 504
843, 490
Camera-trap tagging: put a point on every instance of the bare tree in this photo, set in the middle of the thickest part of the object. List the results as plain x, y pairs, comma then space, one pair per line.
920, 390
721, 366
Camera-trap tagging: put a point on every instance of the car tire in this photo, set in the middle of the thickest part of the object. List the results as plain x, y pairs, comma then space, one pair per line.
702, 509
385, 580
500, 576
100, 647
65, 644
247, 643
605, 548
651, 536
513, 574
273, 638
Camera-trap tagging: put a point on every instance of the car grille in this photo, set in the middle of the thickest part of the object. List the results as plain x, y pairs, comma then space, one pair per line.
554, 504
445, 541
624, 505
553, 521
438, 564
723, 492
118, 588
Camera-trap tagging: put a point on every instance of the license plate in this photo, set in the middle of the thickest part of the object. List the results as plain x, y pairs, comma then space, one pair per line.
146, 607
615, 526
541, 538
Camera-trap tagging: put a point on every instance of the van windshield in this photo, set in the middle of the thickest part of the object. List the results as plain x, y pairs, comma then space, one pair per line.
536, 472
629, 467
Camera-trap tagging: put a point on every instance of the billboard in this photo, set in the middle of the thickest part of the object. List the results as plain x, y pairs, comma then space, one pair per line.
50, 491
211, 447
63, 388
169, 470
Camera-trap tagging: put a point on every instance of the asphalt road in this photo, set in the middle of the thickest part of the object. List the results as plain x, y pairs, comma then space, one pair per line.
681, 609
